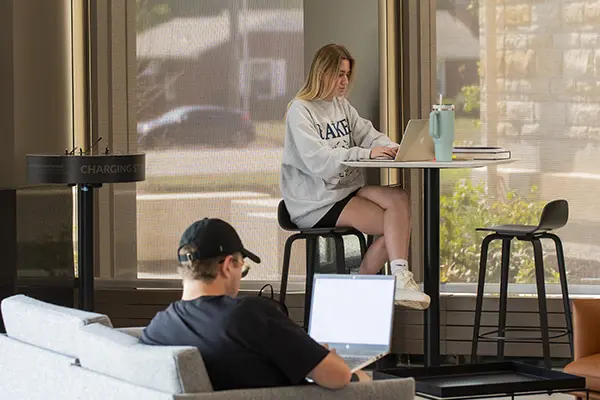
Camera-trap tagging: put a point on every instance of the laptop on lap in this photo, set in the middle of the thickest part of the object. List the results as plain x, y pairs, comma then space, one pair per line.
353, 314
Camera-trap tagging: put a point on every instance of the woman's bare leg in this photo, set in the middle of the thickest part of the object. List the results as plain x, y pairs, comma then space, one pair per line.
386, 210
375, 257
367, 217
396, 218
380, 210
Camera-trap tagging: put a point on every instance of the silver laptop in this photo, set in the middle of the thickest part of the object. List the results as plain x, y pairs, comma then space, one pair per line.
353, 314
416, 144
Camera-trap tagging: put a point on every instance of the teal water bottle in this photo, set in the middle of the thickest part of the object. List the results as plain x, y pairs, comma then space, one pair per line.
441, 129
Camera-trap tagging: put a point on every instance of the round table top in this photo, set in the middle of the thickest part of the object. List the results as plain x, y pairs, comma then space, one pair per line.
426, 164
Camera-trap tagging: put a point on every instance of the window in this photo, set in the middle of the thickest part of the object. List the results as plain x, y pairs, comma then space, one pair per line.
214, 79
263, 79
523, 75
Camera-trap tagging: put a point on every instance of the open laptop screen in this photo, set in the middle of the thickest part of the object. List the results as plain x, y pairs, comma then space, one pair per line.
352, 309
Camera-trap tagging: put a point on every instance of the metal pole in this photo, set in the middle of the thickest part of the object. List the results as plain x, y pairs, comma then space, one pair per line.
431, 242
85, 247
490, 92
245, 64
234, 35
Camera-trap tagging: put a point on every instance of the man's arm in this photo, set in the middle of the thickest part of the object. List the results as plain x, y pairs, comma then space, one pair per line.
332, 372
269, 331
333, 368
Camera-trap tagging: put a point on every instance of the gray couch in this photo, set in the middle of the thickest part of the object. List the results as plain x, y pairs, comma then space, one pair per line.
52, 352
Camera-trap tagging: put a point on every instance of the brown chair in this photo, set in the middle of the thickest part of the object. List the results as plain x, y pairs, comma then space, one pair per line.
586, 337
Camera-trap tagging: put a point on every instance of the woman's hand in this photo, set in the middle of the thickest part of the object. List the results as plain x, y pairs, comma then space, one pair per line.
384, 152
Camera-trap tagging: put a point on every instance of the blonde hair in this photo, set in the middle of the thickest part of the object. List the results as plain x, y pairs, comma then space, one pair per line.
326, 64
204, 270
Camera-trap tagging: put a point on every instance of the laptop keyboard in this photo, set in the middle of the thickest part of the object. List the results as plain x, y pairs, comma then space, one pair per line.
354, 361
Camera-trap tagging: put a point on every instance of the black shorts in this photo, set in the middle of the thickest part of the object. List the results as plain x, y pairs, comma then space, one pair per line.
329, 220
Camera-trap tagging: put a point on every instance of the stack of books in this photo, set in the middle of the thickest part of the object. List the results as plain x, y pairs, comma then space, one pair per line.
480, 153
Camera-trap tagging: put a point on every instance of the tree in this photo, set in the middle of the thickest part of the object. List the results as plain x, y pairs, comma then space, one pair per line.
467, 11
149, 13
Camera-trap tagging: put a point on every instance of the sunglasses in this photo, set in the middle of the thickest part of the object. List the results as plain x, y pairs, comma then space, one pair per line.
245, 267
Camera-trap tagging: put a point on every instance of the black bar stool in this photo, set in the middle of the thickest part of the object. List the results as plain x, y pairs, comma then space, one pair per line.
555, 215
312, 235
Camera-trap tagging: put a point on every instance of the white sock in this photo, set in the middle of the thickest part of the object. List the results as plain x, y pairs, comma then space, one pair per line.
398, 265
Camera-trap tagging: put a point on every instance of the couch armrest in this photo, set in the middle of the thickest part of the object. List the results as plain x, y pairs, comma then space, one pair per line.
391, 389
133, 331
586, 325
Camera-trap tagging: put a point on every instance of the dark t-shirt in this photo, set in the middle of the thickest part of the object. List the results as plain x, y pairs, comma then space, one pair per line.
245, 343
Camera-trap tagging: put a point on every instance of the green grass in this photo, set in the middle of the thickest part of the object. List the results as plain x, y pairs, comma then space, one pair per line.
267, 182
262, 182
270, 133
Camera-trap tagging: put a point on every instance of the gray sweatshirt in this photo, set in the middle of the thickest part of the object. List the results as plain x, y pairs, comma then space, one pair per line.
319, 135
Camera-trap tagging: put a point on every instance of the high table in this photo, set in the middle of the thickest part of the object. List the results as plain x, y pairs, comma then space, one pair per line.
431, 238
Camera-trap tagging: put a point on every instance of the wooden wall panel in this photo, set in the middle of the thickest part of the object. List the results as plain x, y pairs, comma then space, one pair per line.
129, 307
136, 307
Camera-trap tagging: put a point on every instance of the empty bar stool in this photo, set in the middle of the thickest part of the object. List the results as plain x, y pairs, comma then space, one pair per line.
312, 235
554, 216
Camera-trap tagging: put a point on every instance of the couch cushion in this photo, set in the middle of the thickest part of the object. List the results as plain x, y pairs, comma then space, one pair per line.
41, 374
46, 325
388, 389
171, 369
589, 367
29, 364
133, 331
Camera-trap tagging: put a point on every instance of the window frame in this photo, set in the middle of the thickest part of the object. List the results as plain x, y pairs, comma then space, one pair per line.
113, 94
114, 119
468, 289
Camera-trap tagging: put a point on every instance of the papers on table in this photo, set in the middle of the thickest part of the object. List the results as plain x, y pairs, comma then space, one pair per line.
480, 153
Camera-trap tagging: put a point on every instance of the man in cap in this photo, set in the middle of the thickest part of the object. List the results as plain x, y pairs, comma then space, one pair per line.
246, 342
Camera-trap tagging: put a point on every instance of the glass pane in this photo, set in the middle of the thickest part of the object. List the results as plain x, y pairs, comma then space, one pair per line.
524, 76
46, 234
214, 78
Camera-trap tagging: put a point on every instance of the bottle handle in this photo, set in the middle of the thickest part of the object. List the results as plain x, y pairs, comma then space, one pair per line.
433, 126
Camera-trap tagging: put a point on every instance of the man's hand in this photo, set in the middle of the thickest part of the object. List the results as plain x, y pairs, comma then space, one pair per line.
362, 376
327, 347
383, 152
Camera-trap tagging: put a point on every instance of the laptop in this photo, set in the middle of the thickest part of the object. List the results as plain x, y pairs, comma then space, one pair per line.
416, 144
353, 314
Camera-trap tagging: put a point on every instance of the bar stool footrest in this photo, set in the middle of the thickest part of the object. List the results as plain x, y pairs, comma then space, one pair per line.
559, 332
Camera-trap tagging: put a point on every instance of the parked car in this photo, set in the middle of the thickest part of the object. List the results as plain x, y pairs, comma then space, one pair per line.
197, 125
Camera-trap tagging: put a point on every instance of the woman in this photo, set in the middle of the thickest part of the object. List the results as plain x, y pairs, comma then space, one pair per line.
322, 130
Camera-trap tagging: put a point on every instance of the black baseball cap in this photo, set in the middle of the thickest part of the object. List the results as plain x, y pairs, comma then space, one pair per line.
213, 237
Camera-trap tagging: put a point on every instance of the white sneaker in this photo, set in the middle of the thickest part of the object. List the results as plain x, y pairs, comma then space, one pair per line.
408, 293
